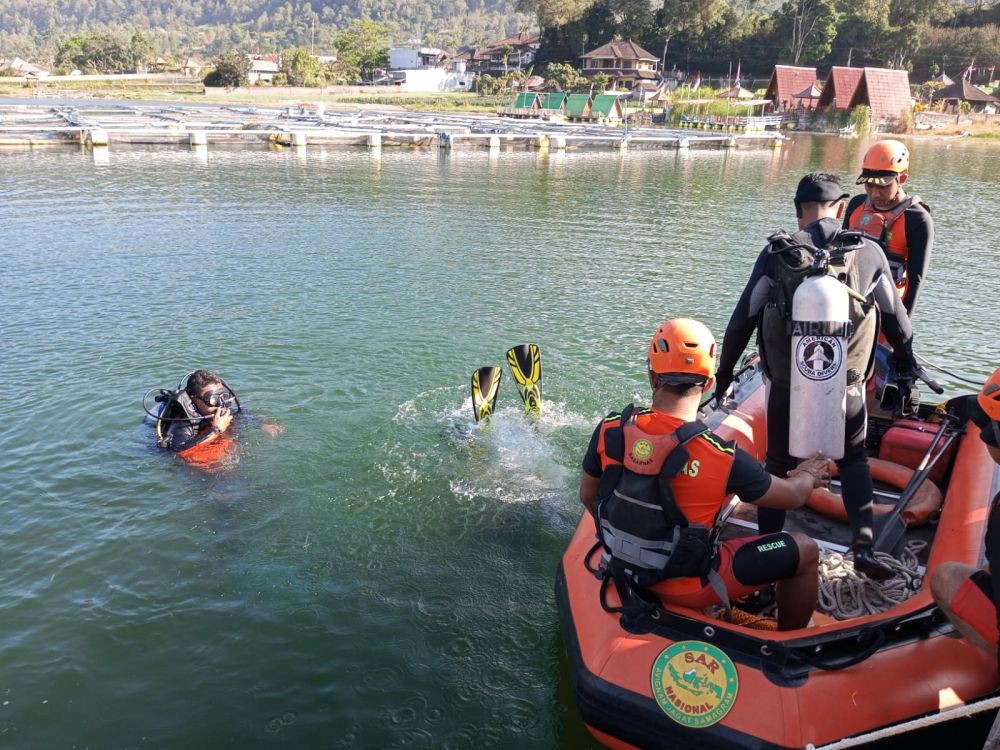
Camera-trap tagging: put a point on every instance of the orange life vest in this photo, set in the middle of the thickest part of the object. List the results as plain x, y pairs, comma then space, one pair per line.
888, 229
699, 487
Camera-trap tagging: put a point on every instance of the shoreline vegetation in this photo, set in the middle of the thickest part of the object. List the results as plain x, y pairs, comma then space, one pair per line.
334, 98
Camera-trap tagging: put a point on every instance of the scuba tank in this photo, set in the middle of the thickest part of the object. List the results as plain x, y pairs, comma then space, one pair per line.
820, 329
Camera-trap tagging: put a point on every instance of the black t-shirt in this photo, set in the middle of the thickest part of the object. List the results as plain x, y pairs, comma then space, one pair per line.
989, 430
747, 478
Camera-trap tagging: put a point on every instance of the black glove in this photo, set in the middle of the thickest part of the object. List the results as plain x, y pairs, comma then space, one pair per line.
903, 365
722, 383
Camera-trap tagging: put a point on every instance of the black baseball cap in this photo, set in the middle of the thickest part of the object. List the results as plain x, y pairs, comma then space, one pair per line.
818, 187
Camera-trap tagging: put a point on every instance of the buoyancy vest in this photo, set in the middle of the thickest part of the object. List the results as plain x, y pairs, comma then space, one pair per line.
789, 268
650, 493
177, 406
888, 229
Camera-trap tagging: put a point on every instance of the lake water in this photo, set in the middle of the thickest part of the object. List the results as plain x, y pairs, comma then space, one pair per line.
379, 575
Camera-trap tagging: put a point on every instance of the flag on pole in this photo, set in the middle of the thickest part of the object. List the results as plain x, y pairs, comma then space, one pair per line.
697, 82
968, 71
739, 63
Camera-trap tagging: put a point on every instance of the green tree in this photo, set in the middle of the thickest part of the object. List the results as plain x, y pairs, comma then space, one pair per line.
689, 25
505, 51
810, 26
232, 68
363, 48
563, 75
302, 69
599, 83
142, 50
95, 53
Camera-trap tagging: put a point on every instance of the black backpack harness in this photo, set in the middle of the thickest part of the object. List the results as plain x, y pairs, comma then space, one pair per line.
645, 535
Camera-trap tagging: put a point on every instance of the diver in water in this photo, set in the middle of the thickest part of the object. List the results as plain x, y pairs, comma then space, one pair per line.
198, 412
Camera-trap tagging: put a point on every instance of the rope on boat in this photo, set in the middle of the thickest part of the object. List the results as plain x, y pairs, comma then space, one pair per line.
949, 714
844, 594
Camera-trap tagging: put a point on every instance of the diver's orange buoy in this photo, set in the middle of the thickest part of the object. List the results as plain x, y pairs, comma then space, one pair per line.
926, 502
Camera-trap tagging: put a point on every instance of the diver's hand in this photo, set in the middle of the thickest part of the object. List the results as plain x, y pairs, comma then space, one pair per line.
222, 419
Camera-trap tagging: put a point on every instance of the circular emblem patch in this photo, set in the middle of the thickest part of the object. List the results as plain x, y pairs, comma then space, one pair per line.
866, 219
819, 357
695, 683
642, 450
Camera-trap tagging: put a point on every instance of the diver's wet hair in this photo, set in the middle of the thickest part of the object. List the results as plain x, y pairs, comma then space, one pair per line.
198, 379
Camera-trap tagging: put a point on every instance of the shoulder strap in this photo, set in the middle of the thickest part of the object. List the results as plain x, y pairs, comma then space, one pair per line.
672, 464
614, 437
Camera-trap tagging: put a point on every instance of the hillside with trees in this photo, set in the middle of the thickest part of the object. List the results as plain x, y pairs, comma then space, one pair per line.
36, 28
711, 36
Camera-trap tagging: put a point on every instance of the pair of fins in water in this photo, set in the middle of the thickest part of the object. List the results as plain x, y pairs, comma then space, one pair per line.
525, 362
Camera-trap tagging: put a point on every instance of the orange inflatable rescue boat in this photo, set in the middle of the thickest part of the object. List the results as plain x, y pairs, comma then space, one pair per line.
663, 676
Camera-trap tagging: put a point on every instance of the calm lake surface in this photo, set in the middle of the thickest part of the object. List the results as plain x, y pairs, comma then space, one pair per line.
379, 575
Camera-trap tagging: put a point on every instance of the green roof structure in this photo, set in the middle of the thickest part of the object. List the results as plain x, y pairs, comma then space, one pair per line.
526, 100
578, 105
553, 102
606, 105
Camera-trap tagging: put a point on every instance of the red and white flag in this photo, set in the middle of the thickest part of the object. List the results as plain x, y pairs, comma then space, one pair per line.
968, 70
697, 82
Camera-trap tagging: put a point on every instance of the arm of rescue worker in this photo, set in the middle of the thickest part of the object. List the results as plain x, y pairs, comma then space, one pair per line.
748, 479
894, 321
184, 435
590, 477
742, 323
919, 240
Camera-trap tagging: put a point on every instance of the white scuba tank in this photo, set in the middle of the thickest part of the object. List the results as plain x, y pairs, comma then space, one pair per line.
820, 330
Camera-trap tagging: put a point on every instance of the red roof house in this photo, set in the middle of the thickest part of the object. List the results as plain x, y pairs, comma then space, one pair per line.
786, 82
838, 91
886, 91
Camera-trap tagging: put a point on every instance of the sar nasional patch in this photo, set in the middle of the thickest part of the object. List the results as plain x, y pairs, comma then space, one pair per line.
819, 357
695, 683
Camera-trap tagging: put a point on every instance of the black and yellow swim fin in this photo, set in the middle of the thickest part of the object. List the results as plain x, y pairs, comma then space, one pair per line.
485, 387
526, 366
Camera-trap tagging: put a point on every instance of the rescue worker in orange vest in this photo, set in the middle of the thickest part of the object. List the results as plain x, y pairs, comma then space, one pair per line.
900, 223
680, 367
969, 595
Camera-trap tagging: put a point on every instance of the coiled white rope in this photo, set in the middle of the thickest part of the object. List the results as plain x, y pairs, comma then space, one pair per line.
844, 594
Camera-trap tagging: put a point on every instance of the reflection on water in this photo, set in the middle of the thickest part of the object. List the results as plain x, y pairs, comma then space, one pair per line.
380, 574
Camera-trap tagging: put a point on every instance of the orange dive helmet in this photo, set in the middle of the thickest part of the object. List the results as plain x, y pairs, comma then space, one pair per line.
682, 351
884, 162
989, 396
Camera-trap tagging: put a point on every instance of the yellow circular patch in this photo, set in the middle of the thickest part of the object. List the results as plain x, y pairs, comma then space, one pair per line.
695, 683
642, 449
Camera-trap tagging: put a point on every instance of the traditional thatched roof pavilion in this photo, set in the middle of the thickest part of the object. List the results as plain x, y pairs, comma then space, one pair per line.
737, 92
963, 91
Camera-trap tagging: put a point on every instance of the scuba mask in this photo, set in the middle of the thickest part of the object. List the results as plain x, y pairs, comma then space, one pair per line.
215, 398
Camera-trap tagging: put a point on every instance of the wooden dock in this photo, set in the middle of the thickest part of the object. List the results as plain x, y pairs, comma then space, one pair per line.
96, 125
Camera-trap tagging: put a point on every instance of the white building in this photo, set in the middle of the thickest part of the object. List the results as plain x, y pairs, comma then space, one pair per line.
412, 56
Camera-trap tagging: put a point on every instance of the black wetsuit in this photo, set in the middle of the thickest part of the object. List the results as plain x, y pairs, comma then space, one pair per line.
919, 242
855, 475
186, 434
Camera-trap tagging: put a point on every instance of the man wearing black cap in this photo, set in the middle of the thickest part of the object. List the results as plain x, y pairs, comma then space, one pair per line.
766, 305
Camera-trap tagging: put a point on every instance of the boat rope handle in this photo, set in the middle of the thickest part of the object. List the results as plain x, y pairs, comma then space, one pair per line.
949, 714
